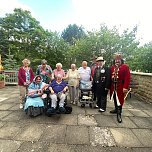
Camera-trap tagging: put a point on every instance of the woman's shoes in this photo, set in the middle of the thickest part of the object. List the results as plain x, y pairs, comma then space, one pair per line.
21, 106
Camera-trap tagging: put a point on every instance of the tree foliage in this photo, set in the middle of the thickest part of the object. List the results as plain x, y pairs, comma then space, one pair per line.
22, 36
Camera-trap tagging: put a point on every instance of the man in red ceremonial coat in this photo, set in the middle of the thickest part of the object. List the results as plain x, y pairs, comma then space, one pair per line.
120, 84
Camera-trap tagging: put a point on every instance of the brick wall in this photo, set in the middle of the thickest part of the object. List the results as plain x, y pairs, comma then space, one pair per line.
144, 89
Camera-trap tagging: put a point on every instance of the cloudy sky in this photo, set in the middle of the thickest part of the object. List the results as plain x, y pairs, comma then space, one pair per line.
56, 15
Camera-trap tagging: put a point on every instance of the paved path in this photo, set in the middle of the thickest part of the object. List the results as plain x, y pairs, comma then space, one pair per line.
85, 130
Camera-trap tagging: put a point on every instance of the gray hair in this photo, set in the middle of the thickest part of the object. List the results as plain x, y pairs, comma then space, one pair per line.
73, 65
43, 61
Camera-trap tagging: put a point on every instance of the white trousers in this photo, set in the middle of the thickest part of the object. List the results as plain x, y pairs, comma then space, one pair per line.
54, 99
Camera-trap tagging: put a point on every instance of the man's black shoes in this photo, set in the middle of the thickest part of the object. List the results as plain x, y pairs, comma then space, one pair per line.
118, 112
119, 119
62, 110
113, 111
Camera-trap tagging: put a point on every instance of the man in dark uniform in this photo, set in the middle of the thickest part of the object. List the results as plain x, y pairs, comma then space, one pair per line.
102, 79
120, 84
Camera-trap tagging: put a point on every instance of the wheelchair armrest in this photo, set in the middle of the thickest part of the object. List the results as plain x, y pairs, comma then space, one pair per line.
47, 91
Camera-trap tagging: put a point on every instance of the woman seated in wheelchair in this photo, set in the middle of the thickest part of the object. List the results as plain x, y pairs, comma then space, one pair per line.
58, 87
34, 104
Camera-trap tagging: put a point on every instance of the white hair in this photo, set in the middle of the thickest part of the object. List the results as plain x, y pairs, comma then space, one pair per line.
59, 76
59, 64
84, 62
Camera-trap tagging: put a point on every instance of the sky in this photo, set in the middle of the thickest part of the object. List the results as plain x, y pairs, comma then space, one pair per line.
56, 15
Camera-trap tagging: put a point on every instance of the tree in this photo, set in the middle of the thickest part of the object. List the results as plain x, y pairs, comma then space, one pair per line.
25, 38
142, 58
73, 33
10, 63
22, 33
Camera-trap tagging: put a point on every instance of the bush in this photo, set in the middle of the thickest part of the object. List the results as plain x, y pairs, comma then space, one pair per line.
1, 77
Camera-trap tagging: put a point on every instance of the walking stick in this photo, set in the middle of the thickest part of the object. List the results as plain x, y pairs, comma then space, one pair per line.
127, 93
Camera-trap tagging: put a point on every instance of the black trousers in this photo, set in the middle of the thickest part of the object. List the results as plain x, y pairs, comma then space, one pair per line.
102, 98
94, 91
102, 102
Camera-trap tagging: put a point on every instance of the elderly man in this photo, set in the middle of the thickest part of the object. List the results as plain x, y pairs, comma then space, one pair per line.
58, 88
120, 84
101, 80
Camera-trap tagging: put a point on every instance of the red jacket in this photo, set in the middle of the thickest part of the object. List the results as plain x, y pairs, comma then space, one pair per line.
123, 81
22, 76
93, 67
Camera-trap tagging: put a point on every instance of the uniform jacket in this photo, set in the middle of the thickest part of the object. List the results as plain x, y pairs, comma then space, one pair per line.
102, 79
123, 81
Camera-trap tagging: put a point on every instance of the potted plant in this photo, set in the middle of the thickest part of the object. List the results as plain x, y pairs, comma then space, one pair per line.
2, 83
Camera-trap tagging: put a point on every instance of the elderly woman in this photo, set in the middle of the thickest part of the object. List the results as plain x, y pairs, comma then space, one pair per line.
73, 83
58, 88
44, 71
34, 104
85, 72
25, 77
57, 71
85, 76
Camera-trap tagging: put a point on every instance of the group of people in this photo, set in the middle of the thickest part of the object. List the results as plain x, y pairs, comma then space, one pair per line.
32, 88
115, 78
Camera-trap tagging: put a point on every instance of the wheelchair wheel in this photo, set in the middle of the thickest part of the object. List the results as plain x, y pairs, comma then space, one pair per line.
68, 109
82, 105
90, 105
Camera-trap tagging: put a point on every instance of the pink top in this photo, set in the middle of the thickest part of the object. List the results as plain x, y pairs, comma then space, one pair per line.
56, 72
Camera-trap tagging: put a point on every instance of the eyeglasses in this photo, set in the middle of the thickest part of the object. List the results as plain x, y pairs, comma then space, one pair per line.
38, 79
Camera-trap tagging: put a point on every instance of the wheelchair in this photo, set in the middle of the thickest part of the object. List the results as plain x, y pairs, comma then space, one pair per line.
47, 105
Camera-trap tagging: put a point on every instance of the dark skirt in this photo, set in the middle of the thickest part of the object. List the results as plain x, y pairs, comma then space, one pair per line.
34, 111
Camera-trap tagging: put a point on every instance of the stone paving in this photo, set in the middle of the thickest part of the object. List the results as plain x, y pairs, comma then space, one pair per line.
85, 130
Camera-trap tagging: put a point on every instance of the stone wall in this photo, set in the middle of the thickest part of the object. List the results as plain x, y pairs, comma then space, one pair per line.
144, 89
